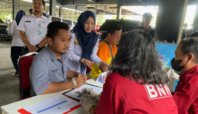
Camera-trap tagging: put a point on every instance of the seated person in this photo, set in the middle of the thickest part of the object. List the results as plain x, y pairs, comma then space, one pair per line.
137, 83
49, 72
185, 62
114, 32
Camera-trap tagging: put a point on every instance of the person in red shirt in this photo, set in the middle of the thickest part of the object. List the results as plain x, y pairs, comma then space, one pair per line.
137, 82
185, 62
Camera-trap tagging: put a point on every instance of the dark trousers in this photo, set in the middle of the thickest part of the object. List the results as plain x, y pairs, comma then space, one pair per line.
15, 53
25, 50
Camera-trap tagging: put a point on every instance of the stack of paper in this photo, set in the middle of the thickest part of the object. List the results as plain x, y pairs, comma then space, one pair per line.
102, 77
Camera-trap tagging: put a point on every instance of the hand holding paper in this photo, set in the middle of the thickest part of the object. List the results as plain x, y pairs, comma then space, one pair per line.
104, 66
171, 74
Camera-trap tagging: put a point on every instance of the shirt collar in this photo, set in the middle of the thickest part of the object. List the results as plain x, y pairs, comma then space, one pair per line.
185, 75
144, 29
42, 17
35, 17
148, 29
53, 57
108, 41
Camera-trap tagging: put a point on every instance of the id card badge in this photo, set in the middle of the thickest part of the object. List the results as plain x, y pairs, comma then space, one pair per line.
39, 30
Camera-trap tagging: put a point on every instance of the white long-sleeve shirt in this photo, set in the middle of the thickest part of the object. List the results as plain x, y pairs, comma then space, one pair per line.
75, 52
15, 34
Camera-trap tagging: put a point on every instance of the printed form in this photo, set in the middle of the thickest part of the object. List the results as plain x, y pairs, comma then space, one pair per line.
55, 105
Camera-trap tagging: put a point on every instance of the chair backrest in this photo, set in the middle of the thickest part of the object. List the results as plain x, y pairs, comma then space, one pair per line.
24, 64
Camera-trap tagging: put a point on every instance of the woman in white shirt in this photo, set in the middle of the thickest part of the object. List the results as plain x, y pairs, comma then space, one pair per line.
84, 45
17, 44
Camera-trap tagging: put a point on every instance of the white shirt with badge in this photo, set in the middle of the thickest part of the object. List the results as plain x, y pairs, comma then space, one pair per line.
15, 34
74, 54
34, 28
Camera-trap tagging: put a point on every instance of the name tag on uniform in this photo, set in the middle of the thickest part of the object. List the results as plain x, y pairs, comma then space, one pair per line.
54, 71
28, 21
39, 30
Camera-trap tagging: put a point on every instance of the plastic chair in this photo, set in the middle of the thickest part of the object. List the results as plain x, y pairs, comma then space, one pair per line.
24, 64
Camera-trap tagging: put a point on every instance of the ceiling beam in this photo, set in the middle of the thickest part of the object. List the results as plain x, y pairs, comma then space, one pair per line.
118, 2
86, 2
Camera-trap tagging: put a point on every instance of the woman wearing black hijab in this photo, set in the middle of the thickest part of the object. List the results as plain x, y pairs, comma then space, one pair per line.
84, 45
17, 44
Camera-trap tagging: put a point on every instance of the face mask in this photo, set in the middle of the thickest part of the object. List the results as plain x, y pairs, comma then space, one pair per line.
176, 65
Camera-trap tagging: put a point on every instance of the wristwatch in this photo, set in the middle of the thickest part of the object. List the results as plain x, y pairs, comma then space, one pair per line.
80, 59
74, 81
37, 46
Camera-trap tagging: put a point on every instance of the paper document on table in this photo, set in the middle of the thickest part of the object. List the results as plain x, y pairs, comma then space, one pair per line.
76, 92
55, 105
102, 77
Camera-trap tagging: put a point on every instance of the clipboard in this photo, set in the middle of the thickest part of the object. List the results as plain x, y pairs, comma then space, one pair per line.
74, 98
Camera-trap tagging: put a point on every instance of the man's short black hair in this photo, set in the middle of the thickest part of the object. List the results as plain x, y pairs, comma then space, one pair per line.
113, 27
42, 2
190, 45
53, 28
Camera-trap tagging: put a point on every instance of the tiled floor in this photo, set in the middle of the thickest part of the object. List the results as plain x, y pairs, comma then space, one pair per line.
9, 85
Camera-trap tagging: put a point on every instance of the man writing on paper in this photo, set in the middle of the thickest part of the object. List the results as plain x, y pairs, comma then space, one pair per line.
107, 48
49, 73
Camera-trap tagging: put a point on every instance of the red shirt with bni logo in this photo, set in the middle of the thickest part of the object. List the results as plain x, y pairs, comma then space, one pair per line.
186, 93
125, 96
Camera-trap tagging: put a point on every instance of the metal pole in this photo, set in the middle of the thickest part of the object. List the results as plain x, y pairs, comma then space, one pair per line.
167, 29
53, 7
14, 9
118, 12
179, 38
60, 11
195, 23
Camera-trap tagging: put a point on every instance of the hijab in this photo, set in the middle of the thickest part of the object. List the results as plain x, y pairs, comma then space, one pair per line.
19, 16
86, 40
